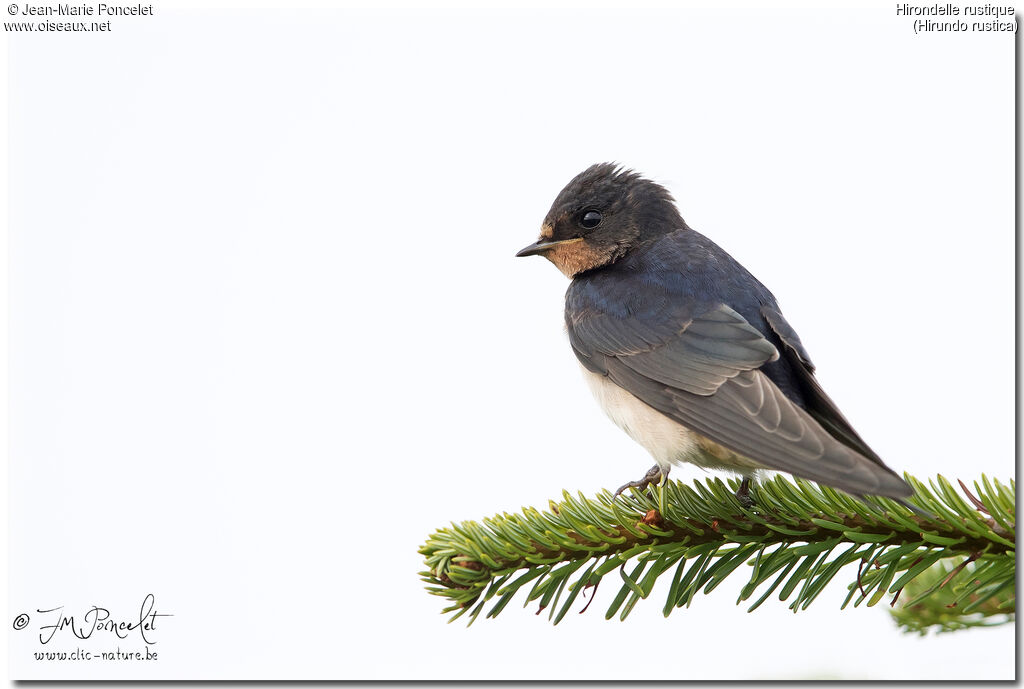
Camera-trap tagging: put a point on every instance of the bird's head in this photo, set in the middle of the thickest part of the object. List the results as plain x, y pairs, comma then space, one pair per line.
602, 214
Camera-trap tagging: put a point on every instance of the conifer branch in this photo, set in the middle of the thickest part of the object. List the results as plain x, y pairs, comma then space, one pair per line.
794, 540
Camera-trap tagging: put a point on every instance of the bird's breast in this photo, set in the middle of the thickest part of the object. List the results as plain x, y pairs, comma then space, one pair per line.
668, 441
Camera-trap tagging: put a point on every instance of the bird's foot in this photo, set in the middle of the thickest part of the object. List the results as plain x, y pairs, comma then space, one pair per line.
743, 493
653, 475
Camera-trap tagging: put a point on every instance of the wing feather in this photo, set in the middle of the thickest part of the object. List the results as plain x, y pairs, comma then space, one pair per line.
702, 371
819, 405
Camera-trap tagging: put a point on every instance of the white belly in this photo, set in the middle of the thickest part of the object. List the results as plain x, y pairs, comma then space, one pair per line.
668, 441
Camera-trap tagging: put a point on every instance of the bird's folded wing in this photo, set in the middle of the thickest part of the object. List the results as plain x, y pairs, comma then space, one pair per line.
787, 334
705, 377
819, 404
696, 355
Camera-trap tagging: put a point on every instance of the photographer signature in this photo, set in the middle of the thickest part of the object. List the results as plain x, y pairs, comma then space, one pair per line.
99, 619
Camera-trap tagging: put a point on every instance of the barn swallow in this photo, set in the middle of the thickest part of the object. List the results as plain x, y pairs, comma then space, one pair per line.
685, 350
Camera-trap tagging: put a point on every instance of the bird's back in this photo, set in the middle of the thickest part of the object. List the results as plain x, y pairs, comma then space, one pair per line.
677, 276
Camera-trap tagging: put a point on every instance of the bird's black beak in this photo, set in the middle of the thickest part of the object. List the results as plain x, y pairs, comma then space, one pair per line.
543, 245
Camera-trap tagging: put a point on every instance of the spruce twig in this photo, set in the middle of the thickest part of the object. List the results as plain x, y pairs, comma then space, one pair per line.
795, 540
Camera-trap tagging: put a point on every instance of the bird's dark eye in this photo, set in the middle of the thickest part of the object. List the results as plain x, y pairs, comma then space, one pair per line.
590, 220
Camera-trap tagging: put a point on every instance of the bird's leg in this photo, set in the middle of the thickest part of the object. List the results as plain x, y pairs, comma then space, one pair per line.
743, 493
653, 475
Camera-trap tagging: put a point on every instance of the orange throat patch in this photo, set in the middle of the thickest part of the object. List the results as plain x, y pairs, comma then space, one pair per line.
575, 257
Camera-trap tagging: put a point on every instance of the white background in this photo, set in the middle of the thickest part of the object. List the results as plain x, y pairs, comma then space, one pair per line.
267, 331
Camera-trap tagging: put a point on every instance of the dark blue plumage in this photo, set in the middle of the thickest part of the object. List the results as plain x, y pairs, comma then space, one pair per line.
678, 275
